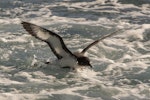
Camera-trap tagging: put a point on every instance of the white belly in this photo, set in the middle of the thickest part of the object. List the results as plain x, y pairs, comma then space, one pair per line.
68, 62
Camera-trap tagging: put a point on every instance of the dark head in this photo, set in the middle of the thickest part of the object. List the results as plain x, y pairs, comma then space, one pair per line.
84, 61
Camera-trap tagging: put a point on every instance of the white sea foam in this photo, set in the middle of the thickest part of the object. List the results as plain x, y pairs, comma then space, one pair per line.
121, 63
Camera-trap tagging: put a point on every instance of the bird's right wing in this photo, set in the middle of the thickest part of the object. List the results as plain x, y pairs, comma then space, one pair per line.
100, 39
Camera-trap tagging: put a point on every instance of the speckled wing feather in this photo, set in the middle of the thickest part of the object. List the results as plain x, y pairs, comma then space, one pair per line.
55, 42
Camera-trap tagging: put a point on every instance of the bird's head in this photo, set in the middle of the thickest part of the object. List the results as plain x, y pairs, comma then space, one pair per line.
84, 61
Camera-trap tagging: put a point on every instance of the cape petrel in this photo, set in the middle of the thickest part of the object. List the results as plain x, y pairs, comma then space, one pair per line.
65, 57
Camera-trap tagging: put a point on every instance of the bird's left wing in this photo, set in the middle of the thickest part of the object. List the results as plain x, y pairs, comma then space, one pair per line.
55, 42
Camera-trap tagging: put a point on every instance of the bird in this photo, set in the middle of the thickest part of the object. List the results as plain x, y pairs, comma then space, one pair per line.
65, 58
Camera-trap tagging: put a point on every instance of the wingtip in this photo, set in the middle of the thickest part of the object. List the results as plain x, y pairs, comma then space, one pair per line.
24, 22
26, 26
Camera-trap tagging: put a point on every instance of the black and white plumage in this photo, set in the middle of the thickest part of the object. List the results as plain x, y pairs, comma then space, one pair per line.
65, 57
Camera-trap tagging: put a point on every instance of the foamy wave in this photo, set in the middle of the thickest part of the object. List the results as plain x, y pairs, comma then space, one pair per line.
121, 63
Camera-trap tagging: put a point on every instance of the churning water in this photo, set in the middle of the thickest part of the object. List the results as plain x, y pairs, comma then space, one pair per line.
121, 63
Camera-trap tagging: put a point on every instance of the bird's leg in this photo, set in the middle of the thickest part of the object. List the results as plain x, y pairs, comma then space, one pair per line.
47, 62
66, 67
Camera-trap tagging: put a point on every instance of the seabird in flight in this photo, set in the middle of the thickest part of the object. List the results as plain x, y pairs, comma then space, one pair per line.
66, 59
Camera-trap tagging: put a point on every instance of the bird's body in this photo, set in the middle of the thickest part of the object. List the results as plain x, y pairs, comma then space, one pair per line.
65, 57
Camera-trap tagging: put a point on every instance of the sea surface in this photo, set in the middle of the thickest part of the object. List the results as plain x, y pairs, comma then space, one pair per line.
121, 63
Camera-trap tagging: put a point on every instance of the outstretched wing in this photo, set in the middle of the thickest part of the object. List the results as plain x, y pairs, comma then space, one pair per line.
54, 41
95, 42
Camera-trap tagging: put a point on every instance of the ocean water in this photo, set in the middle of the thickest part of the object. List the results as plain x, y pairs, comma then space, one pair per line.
121, 63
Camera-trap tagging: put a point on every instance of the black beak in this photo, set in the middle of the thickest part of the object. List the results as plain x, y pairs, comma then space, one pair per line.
90, 66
